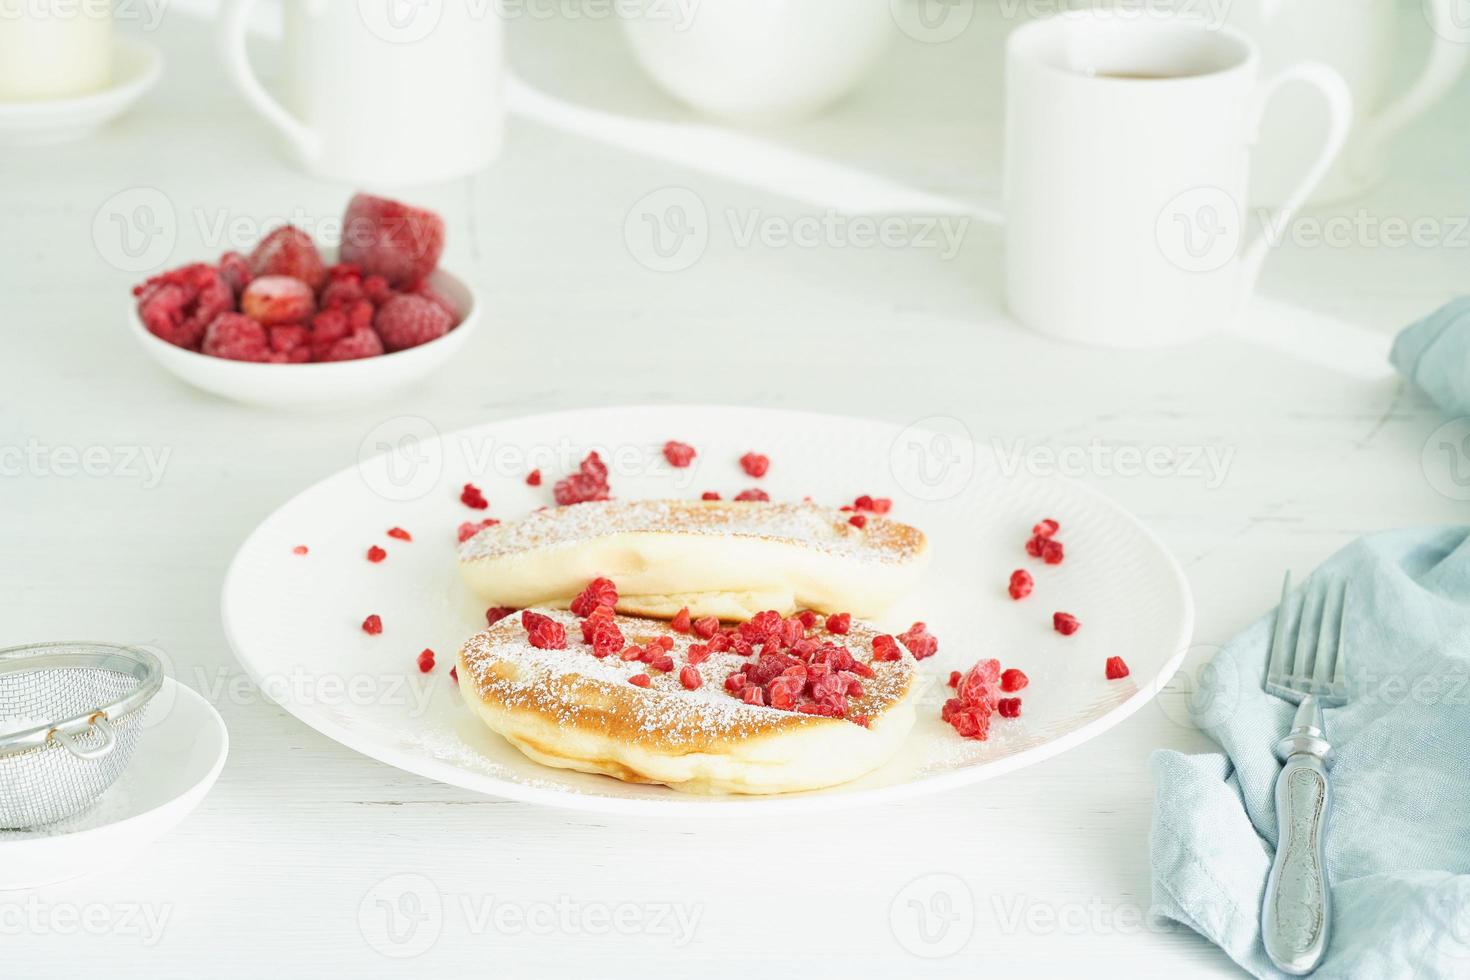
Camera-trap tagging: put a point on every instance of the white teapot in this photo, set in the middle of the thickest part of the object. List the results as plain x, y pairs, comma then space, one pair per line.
1359, 38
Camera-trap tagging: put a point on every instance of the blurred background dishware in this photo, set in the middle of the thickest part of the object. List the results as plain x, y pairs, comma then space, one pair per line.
380, 93
760, 62
54, 49
1126, 172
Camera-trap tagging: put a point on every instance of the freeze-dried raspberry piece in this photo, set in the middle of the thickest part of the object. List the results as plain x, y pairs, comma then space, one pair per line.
690, 677
389, 239
662, 662
1065, 623
753, 494
954, 678
599, 592
277, 300
698, 653
980, 684
858, 521
1052, 552
874, 505
680, 622
178, 305
1008, 707
606, 639
469, 529
754, 464
407, 321
598, 615
709, 495
472, 497
426, 661
373, 625
640, 680
1046, 528
1115, 668
1013, 680
236, 337
921, 643
376, 554
544, 632
289, 251
706, 627
753, 695
1021, 584
399, 533
839, 623
885, 649
495, 614
533, 478
679, 454
300, 549
587, 484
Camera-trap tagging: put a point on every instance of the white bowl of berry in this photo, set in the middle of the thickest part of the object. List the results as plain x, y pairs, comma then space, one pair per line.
296, 326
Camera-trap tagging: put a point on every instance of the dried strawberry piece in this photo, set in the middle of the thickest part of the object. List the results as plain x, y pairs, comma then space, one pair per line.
753, 494
399, 533
426, 661
709, 495
389, 239
679, 454
1013, 680
690, 677
544, 632
680, 622
533, 478
1065, 623
1051, 552
839, 623
495, 614
858, 521
1046, 528
410, 321
921, 643
640, 680
885, 649
754, 464
376, 554
599, 592
1021, 584
373, 625
469, 529
706, 627
289, 251
471, 497
587, 484
300, 549
275, 300
1115, 668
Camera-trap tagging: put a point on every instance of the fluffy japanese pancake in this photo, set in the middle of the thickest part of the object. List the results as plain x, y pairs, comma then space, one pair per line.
569, 709
729, 559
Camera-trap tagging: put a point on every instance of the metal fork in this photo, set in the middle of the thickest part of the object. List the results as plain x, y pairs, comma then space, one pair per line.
1308, 667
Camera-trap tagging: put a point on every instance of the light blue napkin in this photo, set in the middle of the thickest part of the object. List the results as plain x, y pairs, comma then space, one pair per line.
1398, 842
1435, 354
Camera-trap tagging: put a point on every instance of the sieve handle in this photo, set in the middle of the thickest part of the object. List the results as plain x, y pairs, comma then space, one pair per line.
100, 724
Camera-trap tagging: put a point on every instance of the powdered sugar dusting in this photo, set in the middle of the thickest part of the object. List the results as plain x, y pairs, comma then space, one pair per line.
824, 528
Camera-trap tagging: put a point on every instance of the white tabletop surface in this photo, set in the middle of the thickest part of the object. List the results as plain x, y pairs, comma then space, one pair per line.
281, 870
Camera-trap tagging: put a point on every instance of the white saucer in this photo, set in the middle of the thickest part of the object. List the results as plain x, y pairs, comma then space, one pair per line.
177, 760
137, 66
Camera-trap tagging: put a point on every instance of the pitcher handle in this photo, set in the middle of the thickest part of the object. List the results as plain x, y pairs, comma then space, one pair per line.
1447, 59
232, 39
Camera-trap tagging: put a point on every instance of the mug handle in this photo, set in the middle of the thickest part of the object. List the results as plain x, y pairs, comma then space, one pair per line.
232, 38
1447, 59
1339, 100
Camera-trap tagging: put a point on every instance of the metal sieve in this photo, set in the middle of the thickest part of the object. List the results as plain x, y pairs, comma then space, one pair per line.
70, 714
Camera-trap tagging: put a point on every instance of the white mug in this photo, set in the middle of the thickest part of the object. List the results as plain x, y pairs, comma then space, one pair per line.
379, 92
1359, 38
1126, 170
763, 62
54, 49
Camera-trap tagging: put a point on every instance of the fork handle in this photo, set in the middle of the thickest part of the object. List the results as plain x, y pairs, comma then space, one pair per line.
1297, 914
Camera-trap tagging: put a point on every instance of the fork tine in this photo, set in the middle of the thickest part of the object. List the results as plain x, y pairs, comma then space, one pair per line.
1276, 662
1306, 634
1329, 638
1339, 673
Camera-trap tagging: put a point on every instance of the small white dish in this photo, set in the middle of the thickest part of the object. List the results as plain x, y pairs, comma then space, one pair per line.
178, 758
317, 385
137, 66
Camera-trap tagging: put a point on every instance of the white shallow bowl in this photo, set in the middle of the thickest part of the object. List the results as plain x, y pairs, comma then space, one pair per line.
308, 386
177, 760
137, 67
291, 616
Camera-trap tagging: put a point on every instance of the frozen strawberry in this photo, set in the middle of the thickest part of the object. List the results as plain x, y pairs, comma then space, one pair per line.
179, 305
234, 268
276, 300
289, 251
407, 321
385, 238
236, 337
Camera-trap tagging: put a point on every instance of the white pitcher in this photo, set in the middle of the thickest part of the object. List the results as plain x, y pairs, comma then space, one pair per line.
1359, 38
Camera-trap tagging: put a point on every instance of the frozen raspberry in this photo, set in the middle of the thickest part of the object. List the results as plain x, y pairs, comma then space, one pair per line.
495, 614
399, 533
1115, 668
754, 464
1013, 680
177, 306
353, 347
1008, 707
599, 592
1021, 584
544, 632
706, 627
689, 676
858, 521
709, 495
342, 292
376, 554
754, 494
921, 643
471, 497
276, 300
291, 344
1046, 528
885, 649
373, 625
300, 549
437, 298
533, 478
587, 484
234, 268
407, 321
236, 337
1065, 623
426, 661
289, 251
839, 623
385, 238
377, 291
640, 680
469, 529
679, 454
1051, 552
680, 622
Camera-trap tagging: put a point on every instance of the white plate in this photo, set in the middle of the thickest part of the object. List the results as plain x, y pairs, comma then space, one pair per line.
294, 621
177, 760
137, 66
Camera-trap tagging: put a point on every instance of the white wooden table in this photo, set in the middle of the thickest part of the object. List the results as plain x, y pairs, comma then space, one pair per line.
281, 869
